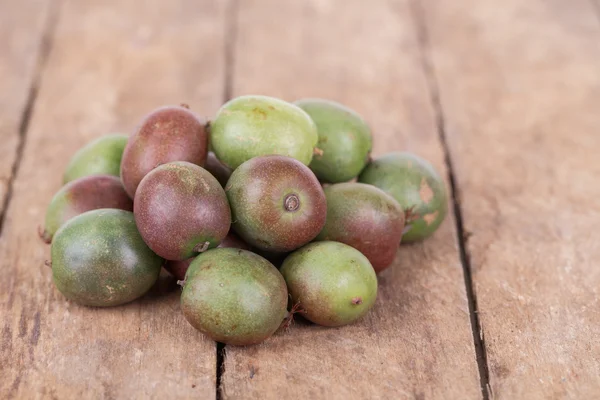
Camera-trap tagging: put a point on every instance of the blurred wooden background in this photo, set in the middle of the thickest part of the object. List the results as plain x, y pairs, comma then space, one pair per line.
504, 99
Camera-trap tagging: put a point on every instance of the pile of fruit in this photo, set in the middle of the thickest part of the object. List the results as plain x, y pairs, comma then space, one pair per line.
278, 187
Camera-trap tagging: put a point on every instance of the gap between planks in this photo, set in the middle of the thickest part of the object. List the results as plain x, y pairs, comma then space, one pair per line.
44, 49
462, 235
231, 31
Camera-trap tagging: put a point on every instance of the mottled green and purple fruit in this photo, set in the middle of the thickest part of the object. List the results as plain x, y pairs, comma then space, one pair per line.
172, 133
99, 259
332, 283
178, 268
81, 195
277, 203
344, 140
99, 157
219, 170
416, 185
366, 218
234, 296
252, 126
181, 210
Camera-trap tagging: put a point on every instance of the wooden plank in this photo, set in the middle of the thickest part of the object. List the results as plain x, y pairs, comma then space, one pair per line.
22, 27
112, 62
520, 90
417, 342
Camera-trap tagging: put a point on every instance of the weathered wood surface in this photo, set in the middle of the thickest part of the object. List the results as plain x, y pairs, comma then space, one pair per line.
417, 342
111, 62
520, 90
21, 33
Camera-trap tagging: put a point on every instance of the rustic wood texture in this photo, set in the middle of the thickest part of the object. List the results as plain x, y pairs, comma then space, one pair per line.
417, 342
112, 62
21, 33
520, 90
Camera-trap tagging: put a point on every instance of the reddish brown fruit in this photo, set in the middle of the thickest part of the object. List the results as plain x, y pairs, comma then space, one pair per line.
217, 169
81, 195
179, 268
277, 203
167, 134
181, 210
366, 218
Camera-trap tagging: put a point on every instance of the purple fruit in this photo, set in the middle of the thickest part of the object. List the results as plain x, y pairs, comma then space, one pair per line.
181, 210
167, 134
81, 195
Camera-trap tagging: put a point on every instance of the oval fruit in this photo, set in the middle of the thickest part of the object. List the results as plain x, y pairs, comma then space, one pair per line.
167, 134
217, 169
366, 218
277, 203
178, 268
81, 195
181, 210
252, 126
99, 157
344, 140
332, 283
416, 185
99, 259
234, 296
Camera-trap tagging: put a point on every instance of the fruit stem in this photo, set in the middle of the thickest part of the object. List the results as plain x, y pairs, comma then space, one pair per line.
201, 247
44, 235
291, 202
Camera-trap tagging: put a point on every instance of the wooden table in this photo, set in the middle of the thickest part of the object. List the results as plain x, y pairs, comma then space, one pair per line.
504, 99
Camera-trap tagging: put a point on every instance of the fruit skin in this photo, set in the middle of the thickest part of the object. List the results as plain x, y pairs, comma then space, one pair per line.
234, 296
252, 126
181, 210
217, 169
81, 195
99, 157
416, 185
333, 283
171, 133
366, 218
259, 191
345, 140
178, 268
99, 259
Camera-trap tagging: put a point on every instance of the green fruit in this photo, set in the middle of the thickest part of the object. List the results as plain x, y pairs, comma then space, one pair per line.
99, 157
277, 203
333, 283
366, 218
416, 185
217, 169
344, 140
167, 134
252, 126
81, 195
234, 296
99, 259
178, 268
181, 210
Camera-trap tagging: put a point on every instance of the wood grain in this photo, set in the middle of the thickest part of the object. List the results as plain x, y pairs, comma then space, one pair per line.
22, 27
112, 62
520, 90
417, 342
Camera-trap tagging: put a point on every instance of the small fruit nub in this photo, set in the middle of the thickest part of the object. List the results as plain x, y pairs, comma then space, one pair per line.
357, 300
291, 202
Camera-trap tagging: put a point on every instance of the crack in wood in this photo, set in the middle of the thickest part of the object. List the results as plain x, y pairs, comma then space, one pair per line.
43, 54
231, 31
462, 234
